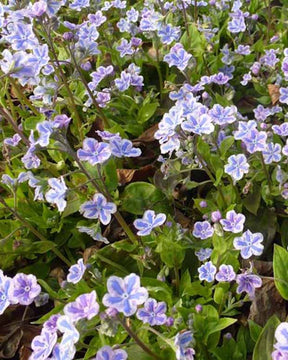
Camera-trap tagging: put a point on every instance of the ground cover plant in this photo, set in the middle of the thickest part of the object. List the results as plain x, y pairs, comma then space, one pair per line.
144, 185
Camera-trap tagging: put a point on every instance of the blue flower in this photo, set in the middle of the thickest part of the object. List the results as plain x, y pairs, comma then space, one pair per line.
94, 232
237, 166
123, 148
248, 283
45, 129
178, 57
125, 48
6, 292
70, 334
234, 222
76, 272
261, 113
272, 153
79, 4
25, 288
14, 141
281, 335
94, 152
207, 272
237, 23
125, 294
249, 244
42, 345
63, 352
225, 273
84, 307
153, 313
223, 115
124, 82
107, 353
281, 130
255, 141
182, 341
198, 125
203, 230
168, 33
244, 128
22, 36
98, 208
57, 193
149, 221
203, 254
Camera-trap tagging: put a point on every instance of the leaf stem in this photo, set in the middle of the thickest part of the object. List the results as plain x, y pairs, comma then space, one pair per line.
139, 342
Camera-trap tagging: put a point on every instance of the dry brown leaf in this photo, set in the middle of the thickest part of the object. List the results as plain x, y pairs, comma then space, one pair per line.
274, 93
267, 302
24, 353
126, 176
147, 136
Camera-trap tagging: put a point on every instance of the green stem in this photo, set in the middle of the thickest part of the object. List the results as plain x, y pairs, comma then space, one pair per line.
117, 215
63, 77
266, 172
22, 97
112, 263
139, 342
177, 279
34, 231
9, 118
104, 118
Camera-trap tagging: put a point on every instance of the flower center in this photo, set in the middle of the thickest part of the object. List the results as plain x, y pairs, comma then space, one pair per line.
27, 288
125, 295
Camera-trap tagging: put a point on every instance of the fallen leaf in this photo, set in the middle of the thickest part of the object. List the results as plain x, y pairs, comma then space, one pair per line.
274, 93
147, 136
126, 176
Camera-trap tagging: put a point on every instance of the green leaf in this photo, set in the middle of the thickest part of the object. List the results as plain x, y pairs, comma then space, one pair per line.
31, 122
49, 290
140, 196
264, 345
280, 269
222, 324
146, 112
111, 178
252, 201
226, 145
255, 330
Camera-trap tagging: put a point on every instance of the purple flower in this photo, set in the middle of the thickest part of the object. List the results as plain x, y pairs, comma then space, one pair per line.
57, 193
63, 352
281, 130
234, 222
270, 58
98, 208
244, 129
248, 283
61, 121
223, 116
281, 335
39, 8
203, 254
125, 48
243, 50
26, 288
168, 33
225, 273
107, 353
207, 272
246, 78
42, 345
70, 333
76, 272
79, 4
272, 153
261, 113
124, 82
237, 166
198, 125
283, 95
45, 129
182, 341
279, 355
249, 244
220, 78
14, 141
178, 57
6, 292
94, 152
153, 313
203, 230
237, 23
125, 294
149, 221
85, 306
123, 148
50, 325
